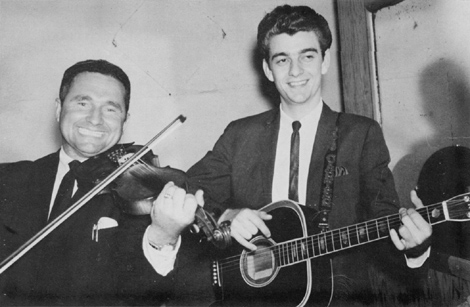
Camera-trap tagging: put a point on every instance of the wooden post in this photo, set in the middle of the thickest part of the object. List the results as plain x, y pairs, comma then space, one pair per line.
355, 51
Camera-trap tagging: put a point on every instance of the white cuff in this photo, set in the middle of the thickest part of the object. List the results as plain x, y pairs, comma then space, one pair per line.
414, 263
163, 262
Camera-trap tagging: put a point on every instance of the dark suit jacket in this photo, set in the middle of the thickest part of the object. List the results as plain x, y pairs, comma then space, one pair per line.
69, 267
238, 172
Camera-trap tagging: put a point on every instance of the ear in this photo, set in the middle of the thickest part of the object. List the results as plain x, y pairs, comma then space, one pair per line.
267, 71
124, 125
326, 62
58, 109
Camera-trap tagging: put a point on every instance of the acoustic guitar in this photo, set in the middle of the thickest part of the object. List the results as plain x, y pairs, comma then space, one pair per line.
280, 269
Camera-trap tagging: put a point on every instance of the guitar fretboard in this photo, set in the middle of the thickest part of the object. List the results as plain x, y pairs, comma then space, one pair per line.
294, 251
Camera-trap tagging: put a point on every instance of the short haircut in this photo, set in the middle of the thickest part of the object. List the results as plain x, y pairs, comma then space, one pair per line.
97, 66
290, 20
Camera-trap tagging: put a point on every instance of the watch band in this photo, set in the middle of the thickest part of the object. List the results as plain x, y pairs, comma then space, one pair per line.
168, 247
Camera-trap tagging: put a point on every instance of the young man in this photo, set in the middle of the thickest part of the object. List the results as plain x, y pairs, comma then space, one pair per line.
250, 166
99, 256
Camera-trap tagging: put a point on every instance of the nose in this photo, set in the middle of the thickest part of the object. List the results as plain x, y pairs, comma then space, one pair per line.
295, 68
95, 116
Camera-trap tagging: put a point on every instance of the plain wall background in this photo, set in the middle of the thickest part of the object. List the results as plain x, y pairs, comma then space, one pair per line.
423, 64
194, 58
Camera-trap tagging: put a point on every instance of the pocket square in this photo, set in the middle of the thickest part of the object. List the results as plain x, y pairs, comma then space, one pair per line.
341, 171
106, 222
103, 223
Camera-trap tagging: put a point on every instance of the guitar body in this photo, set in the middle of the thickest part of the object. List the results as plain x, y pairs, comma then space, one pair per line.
260, 278
280, 271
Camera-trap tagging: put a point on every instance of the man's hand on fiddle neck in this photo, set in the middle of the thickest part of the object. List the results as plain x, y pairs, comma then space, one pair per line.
171, 213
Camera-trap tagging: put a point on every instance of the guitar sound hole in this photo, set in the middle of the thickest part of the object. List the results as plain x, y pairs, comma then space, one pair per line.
259, 267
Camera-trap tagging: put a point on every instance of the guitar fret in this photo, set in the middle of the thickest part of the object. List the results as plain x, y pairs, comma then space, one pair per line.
372, 230
362, 235
277, 255
315, 246
336, 234
377, 229
353, 235
329, 242
305, 253
348, 236
322, 242
345, 237
286, 254
383, 228
427, 214
294, 256
299, 249
282, 259
367, 233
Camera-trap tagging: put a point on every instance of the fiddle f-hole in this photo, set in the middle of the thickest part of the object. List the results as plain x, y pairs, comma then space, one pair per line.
259, 268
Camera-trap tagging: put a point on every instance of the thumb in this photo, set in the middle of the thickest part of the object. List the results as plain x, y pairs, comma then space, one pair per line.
416, 200
200, 197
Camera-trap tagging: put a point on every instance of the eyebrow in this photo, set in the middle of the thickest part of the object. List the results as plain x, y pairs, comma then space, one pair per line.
301, 52
81, 97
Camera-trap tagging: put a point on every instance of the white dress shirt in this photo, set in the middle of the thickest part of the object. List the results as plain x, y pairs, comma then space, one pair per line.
307, 132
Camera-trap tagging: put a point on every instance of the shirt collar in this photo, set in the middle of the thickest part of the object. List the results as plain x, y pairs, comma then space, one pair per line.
309, 119
64, 159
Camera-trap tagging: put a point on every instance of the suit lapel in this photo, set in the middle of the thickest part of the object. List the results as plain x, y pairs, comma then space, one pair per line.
268, 143
43, 183
323, 140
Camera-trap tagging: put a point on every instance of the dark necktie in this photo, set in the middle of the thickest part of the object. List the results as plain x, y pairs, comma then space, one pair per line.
294, 162
63, 199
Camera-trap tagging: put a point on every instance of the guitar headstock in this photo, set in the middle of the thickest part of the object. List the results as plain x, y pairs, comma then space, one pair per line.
458, 208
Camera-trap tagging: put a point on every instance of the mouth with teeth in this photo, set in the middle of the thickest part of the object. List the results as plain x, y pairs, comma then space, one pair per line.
298, 83
87, 132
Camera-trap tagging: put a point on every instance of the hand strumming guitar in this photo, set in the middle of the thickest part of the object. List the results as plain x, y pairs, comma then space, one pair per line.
245, 223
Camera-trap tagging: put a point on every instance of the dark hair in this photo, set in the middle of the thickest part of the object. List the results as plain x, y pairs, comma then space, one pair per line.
290, 20
98, 66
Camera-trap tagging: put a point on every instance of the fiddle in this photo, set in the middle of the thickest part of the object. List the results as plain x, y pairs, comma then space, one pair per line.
135, 190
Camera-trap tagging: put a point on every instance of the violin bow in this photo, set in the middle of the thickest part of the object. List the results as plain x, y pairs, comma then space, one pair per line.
15, 256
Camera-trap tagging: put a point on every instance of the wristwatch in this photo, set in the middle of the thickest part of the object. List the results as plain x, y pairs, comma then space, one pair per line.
169, 247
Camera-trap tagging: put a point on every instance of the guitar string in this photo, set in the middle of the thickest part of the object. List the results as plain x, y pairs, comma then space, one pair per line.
301, 252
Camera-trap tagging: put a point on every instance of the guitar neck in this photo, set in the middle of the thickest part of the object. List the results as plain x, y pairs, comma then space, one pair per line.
336, 240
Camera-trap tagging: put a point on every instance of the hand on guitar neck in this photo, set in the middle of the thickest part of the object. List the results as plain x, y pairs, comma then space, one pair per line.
414, 235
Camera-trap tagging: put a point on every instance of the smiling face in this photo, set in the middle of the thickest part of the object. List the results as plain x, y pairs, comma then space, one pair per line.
92, 116
296, 67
